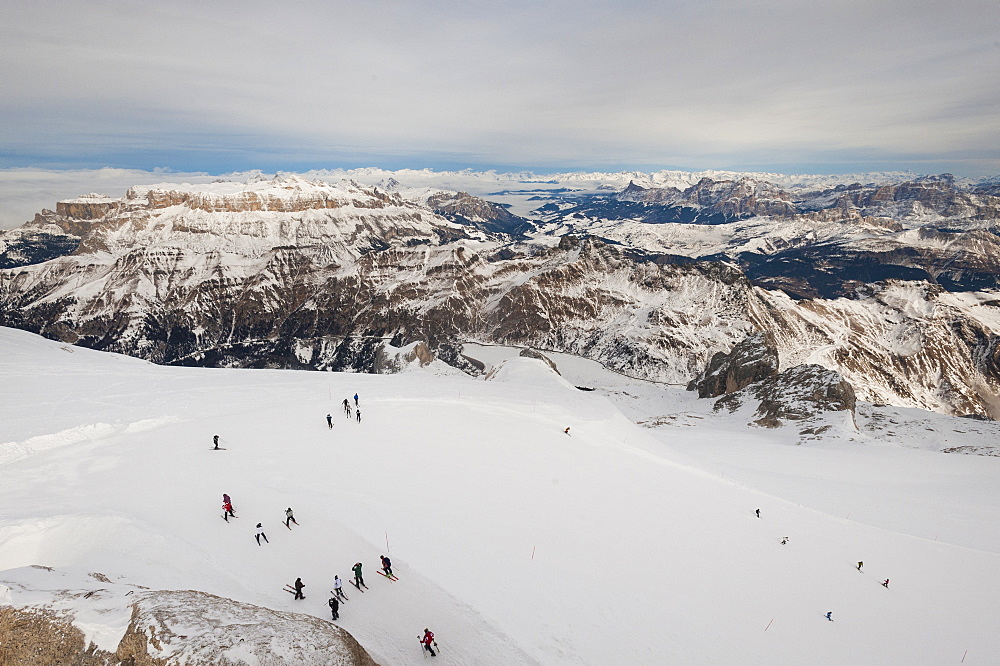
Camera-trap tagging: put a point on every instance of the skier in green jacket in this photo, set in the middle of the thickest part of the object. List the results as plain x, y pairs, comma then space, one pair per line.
358, 578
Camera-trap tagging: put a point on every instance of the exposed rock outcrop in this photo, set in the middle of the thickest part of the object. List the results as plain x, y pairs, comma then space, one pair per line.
157, 627
753, 359
527, 352
795, 394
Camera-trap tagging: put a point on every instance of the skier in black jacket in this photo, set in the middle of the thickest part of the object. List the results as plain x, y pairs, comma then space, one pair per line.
298, 589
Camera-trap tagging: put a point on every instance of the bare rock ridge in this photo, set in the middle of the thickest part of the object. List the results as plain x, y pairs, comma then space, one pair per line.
891, 286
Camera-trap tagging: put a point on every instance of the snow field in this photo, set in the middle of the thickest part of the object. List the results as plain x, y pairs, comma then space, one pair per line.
514, 542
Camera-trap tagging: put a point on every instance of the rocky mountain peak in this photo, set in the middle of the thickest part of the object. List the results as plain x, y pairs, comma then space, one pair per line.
796, 394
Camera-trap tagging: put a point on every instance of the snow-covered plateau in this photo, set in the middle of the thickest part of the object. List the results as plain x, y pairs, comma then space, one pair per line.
528, 521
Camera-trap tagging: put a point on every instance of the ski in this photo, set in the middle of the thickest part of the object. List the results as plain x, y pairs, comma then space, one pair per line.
221, 448
356, 585
382, 573
339, 597
423, 648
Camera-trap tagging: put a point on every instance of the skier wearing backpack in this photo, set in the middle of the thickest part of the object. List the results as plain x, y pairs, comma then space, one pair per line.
387, 566
334, 607
427, 640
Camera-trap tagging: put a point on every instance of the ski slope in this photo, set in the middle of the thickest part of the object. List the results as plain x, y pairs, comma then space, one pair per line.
513, 541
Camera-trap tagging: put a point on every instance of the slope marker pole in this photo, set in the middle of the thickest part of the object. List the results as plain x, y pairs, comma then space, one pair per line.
963, 656
768, 624
532, 552
387, 541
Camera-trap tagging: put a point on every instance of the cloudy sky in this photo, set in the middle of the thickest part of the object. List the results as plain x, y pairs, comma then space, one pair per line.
779, 85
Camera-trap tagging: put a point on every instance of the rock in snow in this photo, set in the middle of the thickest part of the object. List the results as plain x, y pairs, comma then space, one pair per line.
134, 626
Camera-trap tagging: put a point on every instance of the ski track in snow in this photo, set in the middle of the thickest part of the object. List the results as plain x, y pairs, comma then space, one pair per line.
514, 542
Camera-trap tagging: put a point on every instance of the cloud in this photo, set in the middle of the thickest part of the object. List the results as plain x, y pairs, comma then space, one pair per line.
26, 191
233, 85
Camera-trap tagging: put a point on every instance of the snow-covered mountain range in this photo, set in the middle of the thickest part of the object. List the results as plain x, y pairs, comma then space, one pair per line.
891, 282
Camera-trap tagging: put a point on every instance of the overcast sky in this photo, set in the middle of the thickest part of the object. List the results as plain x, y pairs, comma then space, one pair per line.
220, 85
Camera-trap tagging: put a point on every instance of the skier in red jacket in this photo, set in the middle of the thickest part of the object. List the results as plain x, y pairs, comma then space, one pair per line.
427, 640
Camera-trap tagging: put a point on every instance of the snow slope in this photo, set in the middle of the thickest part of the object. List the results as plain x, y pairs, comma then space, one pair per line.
514, 542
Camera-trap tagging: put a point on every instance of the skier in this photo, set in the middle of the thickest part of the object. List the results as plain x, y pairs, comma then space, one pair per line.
334, 607
387, 566
359, 416
298, 589
260, 533
358, 578
227, 506
784, 540
566, 431
860, 564
338, 588
885, 583
355, 399
828, 616
758, 513
289, 518
329, 421
347, 407
215, 439
427, 640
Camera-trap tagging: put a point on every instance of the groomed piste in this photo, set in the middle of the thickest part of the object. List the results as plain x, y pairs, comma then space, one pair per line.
514, 541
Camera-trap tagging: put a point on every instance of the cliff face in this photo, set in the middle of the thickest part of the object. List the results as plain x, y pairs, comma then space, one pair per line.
212, 279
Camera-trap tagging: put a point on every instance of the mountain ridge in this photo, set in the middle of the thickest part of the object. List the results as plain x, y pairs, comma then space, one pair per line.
299, 273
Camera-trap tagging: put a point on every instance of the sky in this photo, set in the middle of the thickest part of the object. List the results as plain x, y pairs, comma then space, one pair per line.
215, 87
